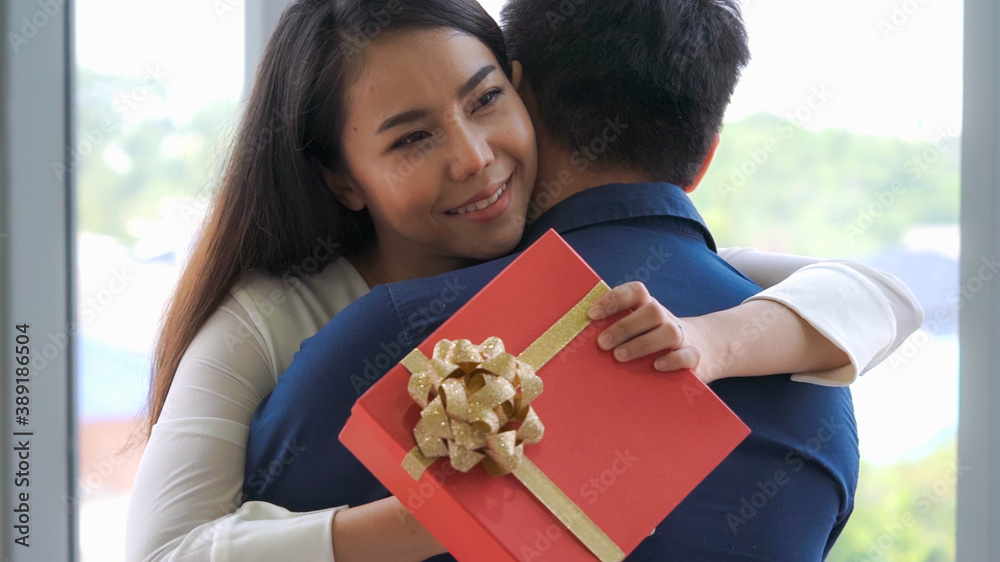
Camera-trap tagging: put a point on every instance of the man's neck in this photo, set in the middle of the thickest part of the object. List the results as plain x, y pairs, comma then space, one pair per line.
562, 174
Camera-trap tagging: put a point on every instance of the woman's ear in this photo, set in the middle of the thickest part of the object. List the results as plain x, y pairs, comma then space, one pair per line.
704, 166
346, 192
516, 74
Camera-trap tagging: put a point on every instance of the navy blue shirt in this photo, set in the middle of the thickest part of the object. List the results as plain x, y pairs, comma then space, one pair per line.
783, 494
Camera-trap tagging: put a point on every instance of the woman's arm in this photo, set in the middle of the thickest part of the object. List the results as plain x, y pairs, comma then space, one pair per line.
825, 321
865, 312
187, 496
382, 530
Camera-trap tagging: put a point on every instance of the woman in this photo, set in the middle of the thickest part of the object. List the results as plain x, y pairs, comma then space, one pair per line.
304, 194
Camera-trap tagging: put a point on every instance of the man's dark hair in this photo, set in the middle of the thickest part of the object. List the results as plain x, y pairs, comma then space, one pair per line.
666, 69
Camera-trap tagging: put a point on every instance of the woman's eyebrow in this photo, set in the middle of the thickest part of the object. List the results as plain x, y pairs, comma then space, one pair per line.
401, 119
476, 79
416, 114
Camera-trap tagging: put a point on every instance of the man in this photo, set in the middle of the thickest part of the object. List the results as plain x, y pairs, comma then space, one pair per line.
627, 100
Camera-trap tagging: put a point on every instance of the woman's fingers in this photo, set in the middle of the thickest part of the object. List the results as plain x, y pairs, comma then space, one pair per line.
644, 319
649, 329
623, 297
649, 337
684, 358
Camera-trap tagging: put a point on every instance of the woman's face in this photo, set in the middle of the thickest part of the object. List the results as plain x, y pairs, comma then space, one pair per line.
438, 147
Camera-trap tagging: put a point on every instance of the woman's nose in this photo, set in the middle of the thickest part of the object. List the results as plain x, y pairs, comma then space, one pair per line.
470, 151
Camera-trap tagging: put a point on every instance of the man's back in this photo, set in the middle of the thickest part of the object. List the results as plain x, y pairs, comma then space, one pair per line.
783, 494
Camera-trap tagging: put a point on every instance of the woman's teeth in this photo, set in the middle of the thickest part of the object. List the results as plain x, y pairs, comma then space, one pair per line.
480, 205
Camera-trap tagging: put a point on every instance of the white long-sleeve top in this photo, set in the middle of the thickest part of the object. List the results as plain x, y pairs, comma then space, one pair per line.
186, 498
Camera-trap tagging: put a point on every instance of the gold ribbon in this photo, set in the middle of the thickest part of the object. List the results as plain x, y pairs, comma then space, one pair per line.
476, 407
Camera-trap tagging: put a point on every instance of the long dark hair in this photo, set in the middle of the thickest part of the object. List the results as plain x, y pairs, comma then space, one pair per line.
273, 210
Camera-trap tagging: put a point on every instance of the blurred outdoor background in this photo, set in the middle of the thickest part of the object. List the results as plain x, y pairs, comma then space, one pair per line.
842, 142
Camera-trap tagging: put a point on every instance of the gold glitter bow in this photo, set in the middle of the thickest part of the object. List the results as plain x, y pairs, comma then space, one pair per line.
476, 407
480, 394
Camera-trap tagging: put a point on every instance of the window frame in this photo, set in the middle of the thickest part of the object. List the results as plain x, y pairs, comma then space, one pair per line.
978, 509
37, 279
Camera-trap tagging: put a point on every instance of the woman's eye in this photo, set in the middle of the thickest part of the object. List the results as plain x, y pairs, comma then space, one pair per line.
412, 138
488, 98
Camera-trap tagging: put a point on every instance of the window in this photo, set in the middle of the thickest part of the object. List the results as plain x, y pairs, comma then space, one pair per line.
150, 104
157, 96
843, 141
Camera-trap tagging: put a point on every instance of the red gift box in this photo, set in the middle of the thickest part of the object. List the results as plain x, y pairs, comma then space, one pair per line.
623, 442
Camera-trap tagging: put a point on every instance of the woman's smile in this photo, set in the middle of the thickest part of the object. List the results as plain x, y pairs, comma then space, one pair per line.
480, 209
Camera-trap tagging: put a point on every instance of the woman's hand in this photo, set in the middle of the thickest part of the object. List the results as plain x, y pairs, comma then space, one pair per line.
650, 329
756, 338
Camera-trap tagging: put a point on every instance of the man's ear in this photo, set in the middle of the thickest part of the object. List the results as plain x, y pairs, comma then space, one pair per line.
523, 86
521, 82
704, 166
345, 190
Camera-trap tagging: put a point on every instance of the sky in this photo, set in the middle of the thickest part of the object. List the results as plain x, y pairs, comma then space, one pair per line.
886, 67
